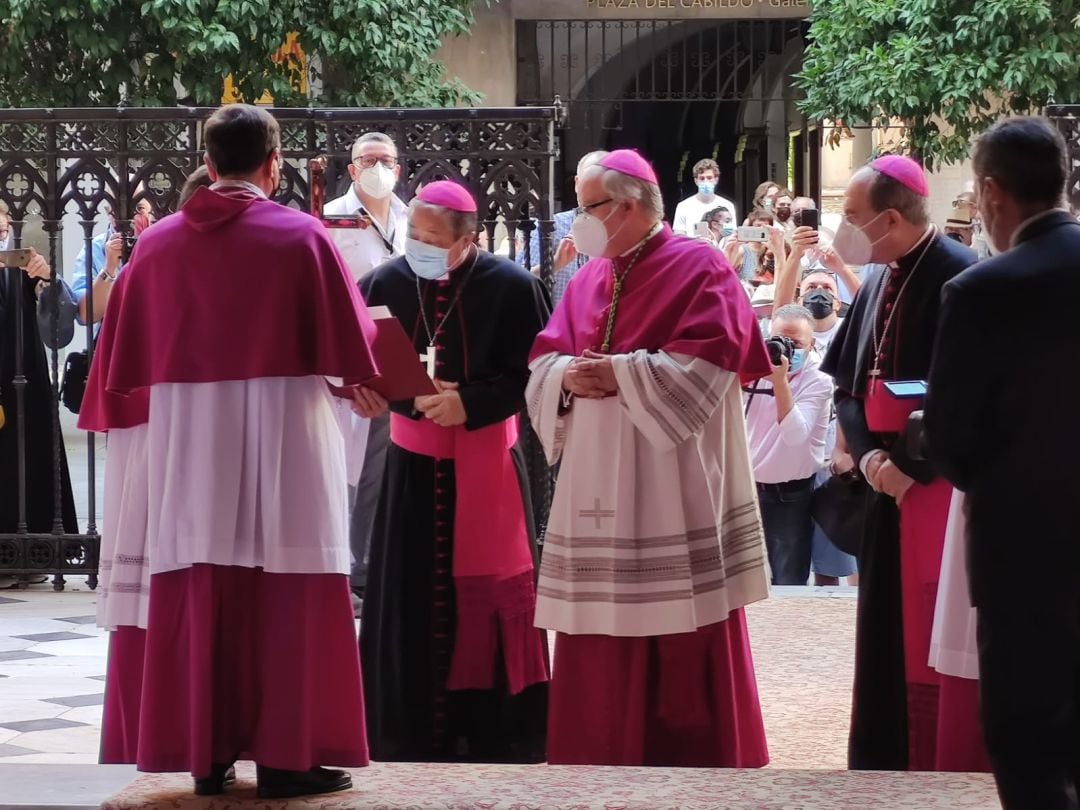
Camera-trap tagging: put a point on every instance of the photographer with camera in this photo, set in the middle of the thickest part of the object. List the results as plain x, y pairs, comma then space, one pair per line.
113, 249
108, 251
819, 293
787, 419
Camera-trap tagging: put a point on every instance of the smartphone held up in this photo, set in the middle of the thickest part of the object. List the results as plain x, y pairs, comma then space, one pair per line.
752, 233
806, 218
18, 257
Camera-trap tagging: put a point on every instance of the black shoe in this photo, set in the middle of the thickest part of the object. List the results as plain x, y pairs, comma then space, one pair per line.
278, 784
221, 774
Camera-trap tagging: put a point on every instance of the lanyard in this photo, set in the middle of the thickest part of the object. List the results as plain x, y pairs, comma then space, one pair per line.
388, 243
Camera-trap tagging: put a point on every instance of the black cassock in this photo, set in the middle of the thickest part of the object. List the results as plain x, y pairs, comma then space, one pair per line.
17, 290
489, 317
879, 721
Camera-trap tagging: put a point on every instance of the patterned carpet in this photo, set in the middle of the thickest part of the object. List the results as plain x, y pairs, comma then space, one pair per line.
804, 655
536, 787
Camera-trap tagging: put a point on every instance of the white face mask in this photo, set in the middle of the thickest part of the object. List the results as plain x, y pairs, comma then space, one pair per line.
427, 261
852, 244
378, 181
590, 234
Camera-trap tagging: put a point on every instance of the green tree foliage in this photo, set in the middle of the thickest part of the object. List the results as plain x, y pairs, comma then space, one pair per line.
110, 52
947, 68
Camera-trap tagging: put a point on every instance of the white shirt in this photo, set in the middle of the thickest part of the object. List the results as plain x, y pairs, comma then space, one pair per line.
364, 249
793, 449
689, 212
822, 340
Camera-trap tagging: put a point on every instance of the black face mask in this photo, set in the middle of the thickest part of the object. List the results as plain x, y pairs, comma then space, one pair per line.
783, 213
821, 304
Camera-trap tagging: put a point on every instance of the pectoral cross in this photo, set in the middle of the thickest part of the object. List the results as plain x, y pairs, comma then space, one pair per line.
428, 359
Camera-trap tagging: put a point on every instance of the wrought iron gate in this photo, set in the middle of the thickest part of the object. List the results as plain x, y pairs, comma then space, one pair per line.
609, 63
679, 89
83, 162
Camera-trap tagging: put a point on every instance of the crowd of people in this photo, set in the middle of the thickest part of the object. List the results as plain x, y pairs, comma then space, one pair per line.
728, 404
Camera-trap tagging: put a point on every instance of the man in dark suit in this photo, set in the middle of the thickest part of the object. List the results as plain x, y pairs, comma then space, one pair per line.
1001, 425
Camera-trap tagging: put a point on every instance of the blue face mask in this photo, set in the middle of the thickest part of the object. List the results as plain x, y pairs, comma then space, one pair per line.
706, 188
727, 230
427, 261
798, 360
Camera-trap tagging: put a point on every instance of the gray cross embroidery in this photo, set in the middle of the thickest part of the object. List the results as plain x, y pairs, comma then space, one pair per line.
597, 513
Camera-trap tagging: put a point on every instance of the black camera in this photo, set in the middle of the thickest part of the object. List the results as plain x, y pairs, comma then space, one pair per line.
780, 347
129, 245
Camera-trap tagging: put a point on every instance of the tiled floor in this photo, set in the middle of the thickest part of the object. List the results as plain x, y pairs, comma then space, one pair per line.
52, 665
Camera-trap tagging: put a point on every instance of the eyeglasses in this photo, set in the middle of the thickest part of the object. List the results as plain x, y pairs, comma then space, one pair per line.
585, 209
368, 162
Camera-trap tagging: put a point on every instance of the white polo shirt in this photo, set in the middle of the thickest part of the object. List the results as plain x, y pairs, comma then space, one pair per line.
823, 340
364, 249
793, 449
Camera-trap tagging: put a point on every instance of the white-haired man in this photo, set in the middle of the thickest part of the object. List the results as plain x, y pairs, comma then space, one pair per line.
567, 259
455, 668
654, 544
383, 220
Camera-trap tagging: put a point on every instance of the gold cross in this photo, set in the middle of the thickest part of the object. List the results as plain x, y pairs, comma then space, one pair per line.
597, 513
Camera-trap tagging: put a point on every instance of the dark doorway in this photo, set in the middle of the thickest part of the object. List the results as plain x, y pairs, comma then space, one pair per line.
647, 126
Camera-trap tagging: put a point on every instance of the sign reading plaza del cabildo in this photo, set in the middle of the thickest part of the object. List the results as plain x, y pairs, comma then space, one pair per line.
661, 6
658, 9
